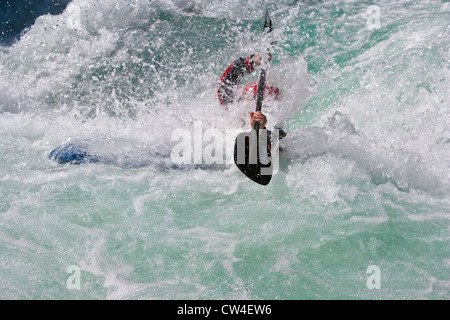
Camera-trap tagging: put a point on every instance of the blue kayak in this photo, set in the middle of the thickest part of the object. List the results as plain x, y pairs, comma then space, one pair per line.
74, 153
119, 152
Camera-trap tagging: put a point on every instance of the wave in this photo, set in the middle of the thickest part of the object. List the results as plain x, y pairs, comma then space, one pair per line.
153, 68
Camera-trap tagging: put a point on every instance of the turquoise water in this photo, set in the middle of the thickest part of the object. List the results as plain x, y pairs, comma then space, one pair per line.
363, 180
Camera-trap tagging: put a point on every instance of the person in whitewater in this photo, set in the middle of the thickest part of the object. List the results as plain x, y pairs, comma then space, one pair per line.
231, 79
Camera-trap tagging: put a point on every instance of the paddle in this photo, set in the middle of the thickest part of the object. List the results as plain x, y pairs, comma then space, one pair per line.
254, 164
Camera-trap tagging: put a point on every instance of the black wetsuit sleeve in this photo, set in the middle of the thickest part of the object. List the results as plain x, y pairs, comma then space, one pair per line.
232, 77
237, 71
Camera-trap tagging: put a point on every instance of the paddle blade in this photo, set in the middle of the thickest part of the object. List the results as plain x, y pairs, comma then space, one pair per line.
257, 166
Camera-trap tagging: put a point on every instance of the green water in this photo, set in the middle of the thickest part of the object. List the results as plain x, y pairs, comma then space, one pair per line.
368, 186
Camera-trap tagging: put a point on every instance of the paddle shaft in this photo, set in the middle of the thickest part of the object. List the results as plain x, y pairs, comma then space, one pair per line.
262, 78
244, 147
260, 95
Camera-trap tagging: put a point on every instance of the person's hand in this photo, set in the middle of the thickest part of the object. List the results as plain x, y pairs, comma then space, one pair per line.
258, 116
257, 59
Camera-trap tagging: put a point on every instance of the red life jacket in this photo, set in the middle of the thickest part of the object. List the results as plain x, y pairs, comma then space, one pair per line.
232, 77
251, 90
